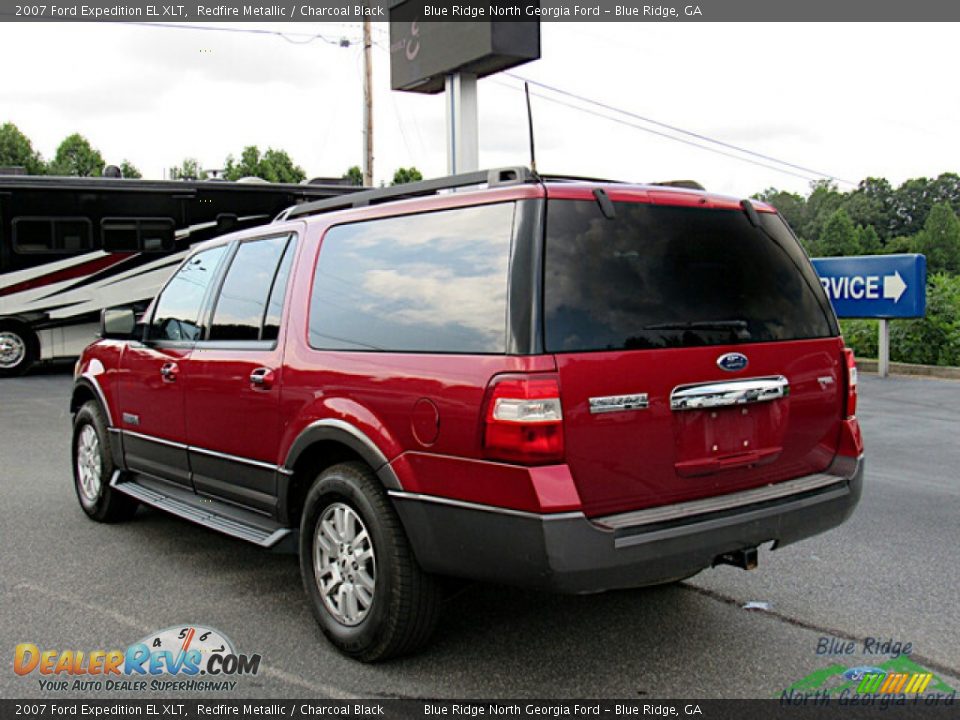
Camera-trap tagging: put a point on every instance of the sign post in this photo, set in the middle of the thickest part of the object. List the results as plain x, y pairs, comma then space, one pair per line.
884, 287
463, 140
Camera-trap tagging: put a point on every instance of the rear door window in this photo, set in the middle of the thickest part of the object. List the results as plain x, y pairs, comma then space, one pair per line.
433, 282
662, 276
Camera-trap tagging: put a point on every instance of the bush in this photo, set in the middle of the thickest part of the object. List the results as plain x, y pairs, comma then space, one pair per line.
861, 335
931, 340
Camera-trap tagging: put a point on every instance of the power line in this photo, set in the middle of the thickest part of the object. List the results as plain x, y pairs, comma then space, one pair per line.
621, 121
307, 37
676, 129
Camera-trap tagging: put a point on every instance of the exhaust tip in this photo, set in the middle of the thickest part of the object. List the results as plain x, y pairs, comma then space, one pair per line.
744, 559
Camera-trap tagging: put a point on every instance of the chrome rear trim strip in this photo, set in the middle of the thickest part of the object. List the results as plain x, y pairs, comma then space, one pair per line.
726, 394
693, 508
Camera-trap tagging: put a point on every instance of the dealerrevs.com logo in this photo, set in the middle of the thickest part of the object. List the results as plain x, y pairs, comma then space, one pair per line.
179, 658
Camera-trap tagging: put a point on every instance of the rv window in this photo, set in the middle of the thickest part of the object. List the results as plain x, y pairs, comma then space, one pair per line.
51, 235
138, 234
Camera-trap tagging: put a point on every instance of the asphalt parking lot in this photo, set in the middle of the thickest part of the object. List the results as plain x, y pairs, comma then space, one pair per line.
890, 573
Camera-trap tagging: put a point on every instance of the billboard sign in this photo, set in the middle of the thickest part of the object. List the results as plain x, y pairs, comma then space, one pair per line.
422, 53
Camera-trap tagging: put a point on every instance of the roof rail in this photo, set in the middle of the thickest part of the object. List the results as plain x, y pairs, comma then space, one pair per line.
688, 184
491, 178
578, 179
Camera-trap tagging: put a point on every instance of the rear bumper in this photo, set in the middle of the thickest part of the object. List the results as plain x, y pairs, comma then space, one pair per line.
568, 552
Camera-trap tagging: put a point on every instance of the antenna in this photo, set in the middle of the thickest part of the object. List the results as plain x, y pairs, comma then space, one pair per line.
533, 152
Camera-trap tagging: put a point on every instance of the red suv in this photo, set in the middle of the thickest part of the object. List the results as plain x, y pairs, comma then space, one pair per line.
574, 385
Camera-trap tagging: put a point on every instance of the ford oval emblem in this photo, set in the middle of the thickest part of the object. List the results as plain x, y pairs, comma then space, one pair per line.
731, 362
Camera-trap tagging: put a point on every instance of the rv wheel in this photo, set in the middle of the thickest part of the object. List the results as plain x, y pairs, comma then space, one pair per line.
18, 349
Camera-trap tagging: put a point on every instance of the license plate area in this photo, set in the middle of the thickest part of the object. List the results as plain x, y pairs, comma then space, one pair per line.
718, 439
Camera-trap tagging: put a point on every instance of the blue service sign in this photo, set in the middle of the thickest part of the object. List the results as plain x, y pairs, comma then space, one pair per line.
875, 286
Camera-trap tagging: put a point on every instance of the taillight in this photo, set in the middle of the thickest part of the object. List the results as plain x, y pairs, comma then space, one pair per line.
524, 421
851, 377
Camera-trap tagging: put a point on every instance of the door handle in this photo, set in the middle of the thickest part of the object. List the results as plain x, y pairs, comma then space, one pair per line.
169, 372
262, 378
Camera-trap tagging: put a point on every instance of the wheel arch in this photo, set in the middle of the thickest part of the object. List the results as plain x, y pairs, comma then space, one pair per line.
86, 389
319, 446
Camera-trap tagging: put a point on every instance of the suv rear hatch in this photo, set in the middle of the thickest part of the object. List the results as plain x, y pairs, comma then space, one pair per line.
696, 351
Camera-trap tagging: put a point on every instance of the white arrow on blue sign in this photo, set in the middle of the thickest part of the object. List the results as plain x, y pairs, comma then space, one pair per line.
875, 286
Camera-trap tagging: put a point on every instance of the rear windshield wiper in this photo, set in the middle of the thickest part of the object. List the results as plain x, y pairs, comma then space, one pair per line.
701, 325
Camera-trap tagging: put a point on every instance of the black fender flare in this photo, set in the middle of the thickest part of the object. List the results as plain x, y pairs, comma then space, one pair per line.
90, 383
340, 431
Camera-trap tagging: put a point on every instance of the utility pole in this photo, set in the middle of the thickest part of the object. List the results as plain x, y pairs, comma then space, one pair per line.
367, 105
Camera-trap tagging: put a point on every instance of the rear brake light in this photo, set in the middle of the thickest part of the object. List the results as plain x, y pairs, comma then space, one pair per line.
851, 377
524, 421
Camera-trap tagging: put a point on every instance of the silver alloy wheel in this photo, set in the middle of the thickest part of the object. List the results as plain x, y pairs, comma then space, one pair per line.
12, 349
88, 464
344, 564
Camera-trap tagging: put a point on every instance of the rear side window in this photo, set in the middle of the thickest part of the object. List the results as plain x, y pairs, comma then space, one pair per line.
178, 307
245, 296
659, 277
434, 282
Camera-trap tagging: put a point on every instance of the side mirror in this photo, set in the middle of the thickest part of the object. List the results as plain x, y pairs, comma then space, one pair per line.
118, 323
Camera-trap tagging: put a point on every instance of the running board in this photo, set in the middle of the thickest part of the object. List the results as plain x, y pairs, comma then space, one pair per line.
213, 514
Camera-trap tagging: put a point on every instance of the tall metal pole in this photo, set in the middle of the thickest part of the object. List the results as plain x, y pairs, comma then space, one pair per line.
463, 144
367, 105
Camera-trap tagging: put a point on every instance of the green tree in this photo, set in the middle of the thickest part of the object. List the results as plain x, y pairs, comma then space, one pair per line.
272, 166
130, 170
823, 202
77, 157
406, 175
940, 239
276, 166
872, 204
354, 174
868, 241
189, 169
16, 150
839, 235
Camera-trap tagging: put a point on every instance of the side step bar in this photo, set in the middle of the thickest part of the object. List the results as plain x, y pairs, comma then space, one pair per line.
213, 514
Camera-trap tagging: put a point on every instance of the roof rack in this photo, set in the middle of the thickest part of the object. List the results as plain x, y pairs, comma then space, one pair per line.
688, 184
578, 179
491, 178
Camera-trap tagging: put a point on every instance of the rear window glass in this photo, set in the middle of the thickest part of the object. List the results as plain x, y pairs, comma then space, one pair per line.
433, 282
661, 276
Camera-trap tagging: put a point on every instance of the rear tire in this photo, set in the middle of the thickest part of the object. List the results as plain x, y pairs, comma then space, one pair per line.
367, 592
93, 467
19, 349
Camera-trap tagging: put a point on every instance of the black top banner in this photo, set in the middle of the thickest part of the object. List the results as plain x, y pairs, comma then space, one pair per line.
482, 10
173, 709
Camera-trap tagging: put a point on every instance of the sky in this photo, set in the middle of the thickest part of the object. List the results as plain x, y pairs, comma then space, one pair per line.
844, 100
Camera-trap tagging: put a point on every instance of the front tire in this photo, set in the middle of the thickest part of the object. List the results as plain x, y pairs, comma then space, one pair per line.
93, 467
367, 592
